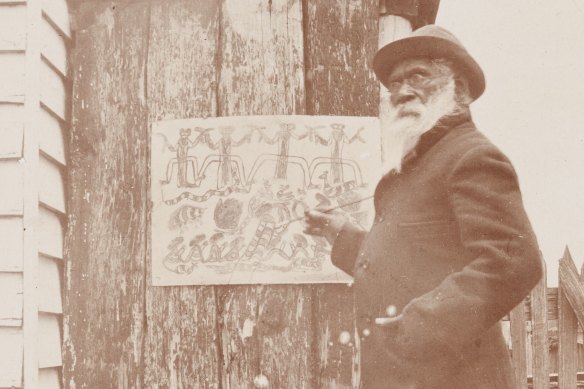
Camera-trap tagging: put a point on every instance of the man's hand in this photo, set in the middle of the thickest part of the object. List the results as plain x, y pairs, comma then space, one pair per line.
323, 224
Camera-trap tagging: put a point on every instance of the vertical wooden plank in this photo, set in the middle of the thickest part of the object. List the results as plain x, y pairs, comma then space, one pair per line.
572, 287
108, 196
182, 348
340, 40
29, 197
567, 333
518, 344
264, 329
539, 339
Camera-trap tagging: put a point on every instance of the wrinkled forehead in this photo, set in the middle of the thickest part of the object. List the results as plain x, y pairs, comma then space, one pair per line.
412, 65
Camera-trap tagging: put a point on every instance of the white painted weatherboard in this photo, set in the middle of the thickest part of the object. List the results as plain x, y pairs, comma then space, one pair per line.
50, 233
12, 27
11, 357
11, 136
51, 188
52, 90
12, 77
53, 47
49, 338
51, 136
11, 181
50, 285
11, 235
58, 12
49, 378
10, 300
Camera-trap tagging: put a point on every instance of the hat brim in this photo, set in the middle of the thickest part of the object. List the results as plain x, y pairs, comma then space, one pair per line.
395, 52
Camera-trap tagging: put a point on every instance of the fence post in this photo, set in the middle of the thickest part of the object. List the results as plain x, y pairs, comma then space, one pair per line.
539, 338
567, 322
518, 344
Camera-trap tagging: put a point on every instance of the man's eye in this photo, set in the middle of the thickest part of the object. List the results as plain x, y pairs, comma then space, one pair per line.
417, 78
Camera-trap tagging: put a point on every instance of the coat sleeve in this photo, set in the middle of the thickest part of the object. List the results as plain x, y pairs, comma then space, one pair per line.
346, 247
502, 256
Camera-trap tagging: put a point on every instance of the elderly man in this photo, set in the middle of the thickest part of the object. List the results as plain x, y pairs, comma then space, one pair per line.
451, 250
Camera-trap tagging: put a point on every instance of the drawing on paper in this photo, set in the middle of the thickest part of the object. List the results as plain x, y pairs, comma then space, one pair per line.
227, 193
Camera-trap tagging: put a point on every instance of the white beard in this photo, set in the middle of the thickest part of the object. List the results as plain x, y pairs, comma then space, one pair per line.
403, 125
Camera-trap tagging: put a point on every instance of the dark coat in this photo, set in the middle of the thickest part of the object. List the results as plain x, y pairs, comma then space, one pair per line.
453, 250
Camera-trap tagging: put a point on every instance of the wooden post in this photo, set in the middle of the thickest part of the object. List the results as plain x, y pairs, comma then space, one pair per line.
340, 40
567, 333
518, 345
182, 346
540, 334
106, 244
261, 61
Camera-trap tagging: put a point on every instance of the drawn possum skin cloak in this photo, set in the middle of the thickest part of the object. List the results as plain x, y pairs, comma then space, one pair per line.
453, 250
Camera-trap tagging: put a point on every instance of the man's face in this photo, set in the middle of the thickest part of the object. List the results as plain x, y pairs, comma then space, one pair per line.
412, 83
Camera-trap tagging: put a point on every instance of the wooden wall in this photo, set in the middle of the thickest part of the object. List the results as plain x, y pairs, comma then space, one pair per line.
34, 38
135, 62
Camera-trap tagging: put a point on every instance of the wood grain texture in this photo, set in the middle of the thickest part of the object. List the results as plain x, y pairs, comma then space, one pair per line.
539, 340
519, 344
264, 329
567, 334
572, 287
182, 348
340, 39
108, 197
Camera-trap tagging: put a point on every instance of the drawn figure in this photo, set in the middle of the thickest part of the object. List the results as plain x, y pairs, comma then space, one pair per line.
283, 157
337, 139
184, 215
174, 259
262, 237
227, 213
197, 245
182, 159
234, 247
230, 171
216, 251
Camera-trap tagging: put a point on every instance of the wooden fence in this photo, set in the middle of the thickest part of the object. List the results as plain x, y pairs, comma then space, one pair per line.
546, 332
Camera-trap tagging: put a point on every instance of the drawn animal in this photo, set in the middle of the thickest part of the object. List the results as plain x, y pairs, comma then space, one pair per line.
227, 213
185, 215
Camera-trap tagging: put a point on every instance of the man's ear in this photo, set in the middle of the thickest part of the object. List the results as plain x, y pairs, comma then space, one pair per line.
462, 90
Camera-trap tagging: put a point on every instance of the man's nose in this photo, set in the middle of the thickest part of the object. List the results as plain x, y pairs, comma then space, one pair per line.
404, 94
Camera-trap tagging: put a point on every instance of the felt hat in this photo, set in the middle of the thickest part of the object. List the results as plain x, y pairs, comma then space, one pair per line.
430, 41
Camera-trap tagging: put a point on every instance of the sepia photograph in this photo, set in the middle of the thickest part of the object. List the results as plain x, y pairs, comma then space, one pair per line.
291, 194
